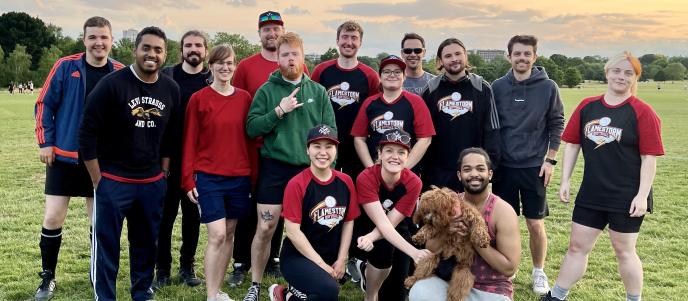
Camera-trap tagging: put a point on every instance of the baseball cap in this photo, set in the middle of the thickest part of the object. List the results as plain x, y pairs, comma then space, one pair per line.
322, 131
392, 59
270, 17
398, 137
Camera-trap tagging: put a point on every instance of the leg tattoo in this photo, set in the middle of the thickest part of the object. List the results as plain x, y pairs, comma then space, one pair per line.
267, 216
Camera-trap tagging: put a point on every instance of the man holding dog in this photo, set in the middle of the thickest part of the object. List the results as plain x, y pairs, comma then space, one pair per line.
495, 264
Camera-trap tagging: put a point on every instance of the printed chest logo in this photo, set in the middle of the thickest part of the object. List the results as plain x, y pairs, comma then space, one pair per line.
341, 95
600, 132
386, 122
387, 205
327, 213
454, 106
144, 117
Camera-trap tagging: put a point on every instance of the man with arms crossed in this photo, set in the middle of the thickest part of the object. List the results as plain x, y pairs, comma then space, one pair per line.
532, 119
59, 109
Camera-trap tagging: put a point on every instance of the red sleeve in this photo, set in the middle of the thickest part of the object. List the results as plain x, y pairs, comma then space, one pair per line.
367, 186
315, 76
353, 211
360, 126
305, 69
649, 129
189, 144
293, 199
407, 203
422, 122
239, 79
373, 80
572, 131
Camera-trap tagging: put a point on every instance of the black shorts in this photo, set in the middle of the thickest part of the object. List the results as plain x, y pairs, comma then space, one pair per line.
522, 186
598, 219
382, 254
66, 179
272, 179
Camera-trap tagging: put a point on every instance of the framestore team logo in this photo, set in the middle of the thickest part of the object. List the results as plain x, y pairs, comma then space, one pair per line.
454, 106
600, 131
341, 95
386, 122
327, 213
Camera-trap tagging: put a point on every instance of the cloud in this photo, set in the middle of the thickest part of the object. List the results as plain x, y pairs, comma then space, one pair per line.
241, 2
295, 10
127, 5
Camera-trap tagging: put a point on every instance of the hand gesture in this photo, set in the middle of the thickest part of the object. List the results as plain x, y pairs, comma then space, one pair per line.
290, 103
546, 171
328, 269
193, 195
365, 243
46, 155
420, 255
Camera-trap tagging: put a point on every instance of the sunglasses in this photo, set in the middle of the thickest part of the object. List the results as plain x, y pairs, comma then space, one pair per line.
396, 136
412, 50
270, 17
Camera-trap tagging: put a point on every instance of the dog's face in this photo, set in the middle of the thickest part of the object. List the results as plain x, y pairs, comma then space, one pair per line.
437, 208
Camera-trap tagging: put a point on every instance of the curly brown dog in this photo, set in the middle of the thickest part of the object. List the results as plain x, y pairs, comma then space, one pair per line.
436, 212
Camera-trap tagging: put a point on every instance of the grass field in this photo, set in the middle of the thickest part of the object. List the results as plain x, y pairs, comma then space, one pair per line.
662, 243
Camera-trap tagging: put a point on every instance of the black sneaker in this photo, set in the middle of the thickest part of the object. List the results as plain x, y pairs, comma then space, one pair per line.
352, 271
272, 269
188, 277
46, 289
360, 268
237, 276
162, 279
253, 292
548, 297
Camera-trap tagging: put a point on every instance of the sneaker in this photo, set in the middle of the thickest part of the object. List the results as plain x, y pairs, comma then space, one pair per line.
276, 292
253, 292
352, 271
46, 289
162, 279
222, 296
360, 268
272, 269
236, 277
540, 283
188, 277
548, 297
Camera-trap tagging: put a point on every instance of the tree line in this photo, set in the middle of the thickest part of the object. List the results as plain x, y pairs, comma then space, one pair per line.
29, 47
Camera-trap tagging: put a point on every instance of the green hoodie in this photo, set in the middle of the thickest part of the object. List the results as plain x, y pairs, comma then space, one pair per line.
285, 139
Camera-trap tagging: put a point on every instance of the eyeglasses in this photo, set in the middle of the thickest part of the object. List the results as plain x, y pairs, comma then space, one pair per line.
412, 50
270, 17
390, 72
396, 136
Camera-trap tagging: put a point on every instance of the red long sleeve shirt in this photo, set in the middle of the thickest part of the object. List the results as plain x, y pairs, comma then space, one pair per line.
215, 141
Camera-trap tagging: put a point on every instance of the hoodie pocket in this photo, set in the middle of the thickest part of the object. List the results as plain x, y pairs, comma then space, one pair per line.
517, 147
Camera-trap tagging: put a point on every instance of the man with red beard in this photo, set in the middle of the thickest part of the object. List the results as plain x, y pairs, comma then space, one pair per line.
251, 73
191, 76
283, 110
348, 83
463, 112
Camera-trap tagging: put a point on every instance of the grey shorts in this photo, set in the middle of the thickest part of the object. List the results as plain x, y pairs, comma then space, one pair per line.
435, 289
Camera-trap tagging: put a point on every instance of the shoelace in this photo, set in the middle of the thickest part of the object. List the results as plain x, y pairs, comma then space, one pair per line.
540, 280
252, 293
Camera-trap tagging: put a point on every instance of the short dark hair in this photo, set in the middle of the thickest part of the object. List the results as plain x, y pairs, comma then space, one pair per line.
477, 151
152, 30
194, 33
522, 39
412, 36
97, 21
445, 43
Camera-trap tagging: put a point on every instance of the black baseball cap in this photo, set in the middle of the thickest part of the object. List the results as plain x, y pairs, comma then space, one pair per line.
398, 137
392, 59
270, 17
322, 131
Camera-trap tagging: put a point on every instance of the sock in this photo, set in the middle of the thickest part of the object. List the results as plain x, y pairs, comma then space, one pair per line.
538, 270
50, 248
559, 292
256, 284
630, 297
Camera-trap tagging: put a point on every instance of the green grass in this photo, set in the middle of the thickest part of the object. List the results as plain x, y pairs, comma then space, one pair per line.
661, 246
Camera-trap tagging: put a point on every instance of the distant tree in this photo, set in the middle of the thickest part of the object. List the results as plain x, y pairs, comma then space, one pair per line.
18, 28
242, 47
123, 51
488, 72
647, 59
649, 72
430, 65
66, 44
576, 62
3, 78
330, 54
595, 71
18, 64
572, 77
593, 59
675, 71
552, 69
50, 56
174, 54
309, 64
661, 61
679, 59
381, 56
561, 60
660, 76
476, 60
370, 61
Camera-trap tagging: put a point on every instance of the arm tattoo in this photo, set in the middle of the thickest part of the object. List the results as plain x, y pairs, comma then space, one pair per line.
267, 216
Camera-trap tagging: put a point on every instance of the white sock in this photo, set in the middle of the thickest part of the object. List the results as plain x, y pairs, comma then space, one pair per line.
538, 270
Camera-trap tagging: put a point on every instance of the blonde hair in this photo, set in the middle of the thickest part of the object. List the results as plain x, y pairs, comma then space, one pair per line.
635, 64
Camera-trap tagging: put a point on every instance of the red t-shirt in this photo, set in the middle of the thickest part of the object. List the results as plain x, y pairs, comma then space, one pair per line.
253, 71
215, 139
402, 196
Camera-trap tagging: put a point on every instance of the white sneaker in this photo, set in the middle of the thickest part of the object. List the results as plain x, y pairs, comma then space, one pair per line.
540, 283
222, 296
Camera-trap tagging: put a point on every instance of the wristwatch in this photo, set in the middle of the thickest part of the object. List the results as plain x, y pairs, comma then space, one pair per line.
551, 161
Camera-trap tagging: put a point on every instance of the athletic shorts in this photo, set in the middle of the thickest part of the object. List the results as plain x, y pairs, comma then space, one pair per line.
272, 180
522, 186
222, 197
67, 179
382, 254
598, 219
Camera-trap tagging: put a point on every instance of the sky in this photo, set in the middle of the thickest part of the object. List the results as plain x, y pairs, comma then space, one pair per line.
573, 28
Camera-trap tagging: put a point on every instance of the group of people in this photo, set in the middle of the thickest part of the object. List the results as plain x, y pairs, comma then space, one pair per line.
336, 159
20, 87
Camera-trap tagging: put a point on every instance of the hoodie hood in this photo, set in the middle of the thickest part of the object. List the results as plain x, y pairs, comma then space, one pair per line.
537, 73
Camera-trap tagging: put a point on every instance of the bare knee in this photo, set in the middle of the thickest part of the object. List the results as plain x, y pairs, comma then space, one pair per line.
536, 227
265, 229
217, 238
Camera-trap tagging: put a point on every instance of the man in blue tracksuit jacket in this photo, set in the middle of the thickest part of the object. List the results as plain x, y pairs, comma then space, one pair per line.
58, 112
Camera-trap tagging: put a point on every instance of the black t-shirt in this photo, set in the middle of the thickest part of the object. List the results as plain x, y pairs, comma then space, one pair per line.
93, 75
320, 208
127, 124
